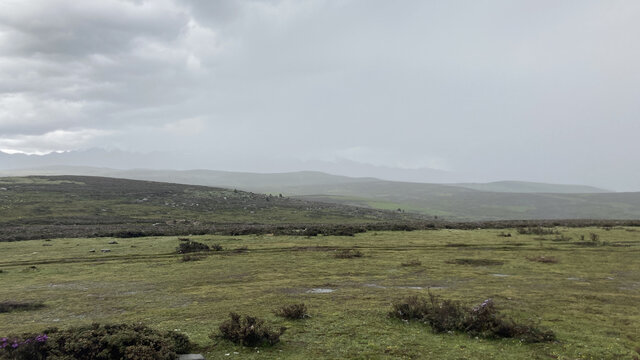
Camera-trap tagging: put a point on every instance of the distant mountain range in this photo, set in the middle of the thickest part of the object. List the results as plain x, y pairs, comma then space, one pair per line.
462, 201
116, 159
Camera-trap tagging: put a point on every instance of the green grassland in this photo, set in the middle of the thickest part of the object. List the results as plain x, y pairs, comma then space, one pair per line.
589, 297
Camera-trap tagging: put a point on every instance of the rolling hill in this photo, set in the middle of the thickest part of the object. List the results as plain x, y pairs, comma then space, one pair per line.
87, 206
457, 202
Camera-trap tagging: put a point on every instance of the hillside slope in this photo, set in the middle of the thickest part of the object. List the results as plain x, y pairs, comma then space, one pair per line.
531, 187
114, 205
449, 202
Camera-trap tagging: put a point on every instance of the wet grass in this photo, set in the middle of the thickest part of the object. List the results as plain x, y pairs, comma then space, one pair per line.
589, 298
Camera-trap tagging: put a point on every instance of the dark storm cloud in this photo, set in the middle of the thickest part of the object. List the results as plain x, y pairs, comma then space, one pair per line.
536, 90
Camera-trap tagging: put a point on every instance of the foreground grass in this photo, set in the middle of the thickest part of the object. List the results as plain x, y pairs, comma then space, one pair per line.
589, 296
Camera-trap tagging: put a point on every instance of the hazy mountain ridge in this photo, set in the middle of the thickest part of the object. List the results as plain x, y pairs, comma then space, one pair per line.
532, 187
448, 201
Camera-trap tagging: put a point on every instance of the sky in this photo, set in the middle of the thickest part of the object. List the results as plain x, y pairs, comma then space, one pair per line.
495, 90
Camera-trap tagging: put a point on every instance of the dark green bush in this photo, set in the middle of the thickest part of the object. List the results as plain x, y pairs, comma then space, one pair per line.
293, 311
190, 257
99, 342
483, 320
248, 331
414, 262
8, 306
348, 254
475, 262
537, 230
191, 246
216, 247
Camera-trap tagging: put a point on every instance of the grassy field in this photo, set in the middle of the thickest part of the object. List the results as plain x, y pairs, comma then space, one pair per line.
589, 297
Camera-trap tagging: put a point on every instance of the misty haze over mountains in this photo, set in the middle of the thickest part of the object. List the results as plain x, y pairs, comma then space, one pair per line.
501, 200
122, 160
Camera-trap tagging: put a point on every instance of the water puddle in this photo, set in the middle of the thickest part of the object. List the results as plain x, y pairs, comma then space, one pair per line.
320, 291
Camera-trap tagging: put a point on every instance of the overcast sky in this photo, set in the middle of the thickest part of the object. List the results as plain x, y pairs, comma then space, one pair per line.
528, 90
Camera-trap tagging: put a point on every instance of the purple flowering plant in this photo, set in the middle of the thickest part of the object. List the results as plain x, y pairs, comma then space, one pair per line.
15, 343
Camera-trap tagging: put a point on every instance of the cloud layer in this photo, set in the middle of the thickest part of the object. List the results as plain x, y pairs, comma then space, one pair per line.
527, 90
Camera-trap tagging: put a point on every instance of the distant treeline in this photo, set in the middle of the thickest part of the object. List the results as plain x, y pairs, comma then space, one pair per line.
17, 232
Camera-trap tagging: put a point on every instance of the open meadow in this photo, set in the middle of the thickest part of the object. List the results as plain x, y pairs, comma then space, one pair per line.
587, 290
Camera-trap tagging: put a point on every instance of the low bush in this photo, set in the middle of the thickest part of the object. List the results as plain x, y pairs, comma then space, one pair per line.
216, 247
241, 249
191, 246
475, 262
247, 331
537, 230
102, 342
543, 259
561, 238
9, 306
414, 262
348, 254
293, 312
190, 257
483, 320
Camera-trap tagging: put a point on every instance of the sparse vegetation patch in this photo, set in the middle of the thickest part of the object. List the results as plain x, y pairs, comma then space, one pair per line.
8, 306
191, 246
543, 259
348, 254
482, 320
106, 342
413, 262
247, 331
293, 311
475, 262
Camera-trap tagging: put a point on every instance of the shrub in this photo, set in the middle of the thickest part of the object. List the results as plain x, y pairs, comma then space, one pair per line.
293, 312
561, 238
241, 249
414, 262
538, 230
594, 237
503, 234
248, 331
216, 247
475, 262
9, 306
188, 257
106, 342
543, 259
482, 320
191, 246
348, 254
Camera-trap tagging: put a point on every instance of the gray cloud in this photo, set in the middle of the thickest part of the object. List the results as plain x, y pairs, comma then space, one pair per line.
539, 90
